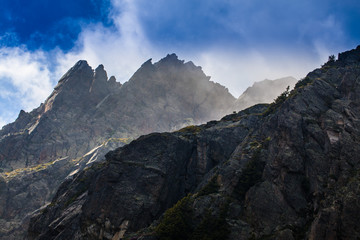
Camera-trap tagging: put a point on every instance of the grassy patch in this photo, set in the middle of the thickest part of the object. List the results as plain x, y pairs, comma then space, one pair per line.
190, 129
122, 140
37, 168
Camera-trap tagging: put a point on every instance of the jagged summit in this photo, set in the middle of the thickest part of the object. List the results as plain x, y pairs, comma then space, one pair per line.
171, 58
81, 64
146, 63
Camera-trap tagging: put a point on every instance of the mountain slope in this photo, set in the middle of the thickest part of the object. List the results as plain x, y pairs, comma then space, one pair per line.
288, 170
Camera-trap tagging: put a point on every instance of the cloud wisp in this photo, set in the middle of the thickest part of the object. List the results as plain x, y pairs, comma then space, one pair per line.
24, 79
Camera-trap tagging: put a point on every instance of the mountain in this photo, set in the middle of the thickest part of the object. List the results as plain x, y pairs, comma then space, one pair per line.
287, 170
263, 92
87, 108
89, 114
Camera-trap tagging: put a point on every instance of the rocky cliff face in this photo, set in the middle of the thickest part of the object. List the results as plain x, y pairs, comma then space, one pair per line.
288, 170
263, 92
83, 115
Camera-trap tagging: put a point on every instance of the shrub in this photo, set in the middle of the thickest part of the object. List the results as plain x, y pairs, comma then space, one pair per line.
303, 82
211, 187
176, 223
277, 102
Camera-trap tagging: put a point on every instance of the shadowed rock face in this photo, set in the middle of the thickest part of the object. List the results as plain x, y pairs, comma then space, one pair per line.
87, 110
140, 180
289, 170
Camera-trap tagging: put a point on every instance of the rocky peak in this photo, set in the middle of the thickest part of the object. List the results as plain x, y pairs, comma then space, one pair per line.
113, 84
171, 59
99, 87
100, 73
81, 86
171, 82
80, 68
147, 63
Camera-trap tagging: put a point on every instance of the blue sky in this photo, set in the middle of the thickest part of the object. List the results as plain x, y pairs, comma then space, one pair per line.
237, 42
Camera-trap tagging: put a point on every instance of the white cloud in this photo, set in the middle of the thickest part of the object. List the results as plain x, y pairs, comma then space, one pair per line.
121, 49
26, 74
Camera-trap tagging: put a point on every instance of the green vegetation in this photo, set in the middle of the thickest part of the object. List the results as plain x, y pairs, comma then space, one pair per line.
331, 59
37, 168
122, 140
330, 63
266, 142
303, 82
255, 144
190, 129
277, 102
178, 223
211, 187
287, 94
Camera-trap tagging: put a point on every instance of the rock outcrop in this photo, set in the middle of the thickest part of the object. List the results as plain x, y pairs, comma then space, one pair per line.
82, 115
288, 170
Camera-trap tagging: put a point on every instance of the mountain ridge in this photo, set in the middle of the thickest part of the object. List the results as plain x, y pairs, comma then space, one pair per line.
89, 114
288, 170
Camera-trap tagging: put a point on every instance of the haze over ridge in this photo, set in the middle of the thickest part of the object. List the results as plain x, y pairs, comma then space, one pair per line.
236, 42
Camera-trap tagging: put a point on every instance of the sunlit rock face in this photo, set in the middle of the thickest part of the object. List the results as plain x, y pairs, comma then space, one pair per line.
89, 111
288, 170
